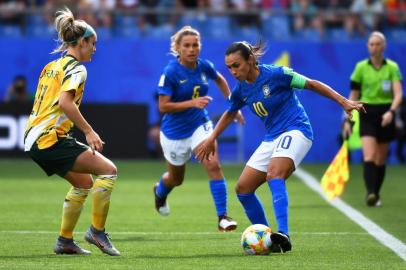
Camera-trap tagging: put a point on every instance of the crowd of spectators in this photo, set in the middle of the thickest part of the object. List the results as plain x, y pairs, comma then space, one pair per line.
278, 18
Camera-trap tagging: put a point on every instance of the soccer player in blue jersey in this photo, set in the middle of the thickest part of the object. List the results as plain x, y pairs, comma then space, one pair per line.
183, 97
268, 91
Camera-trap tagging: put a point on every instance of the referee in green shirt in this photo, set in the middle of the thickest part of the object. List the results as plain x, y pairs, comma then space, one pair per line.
376, 81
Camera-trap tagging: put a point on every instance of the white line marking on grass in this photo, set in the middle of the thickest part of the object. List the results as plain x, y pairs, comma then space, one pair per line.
368, 225
177, 233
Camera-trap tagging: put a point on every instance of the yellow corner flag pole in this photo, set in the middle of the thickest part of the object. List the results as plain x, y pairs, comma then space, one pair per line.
337, 173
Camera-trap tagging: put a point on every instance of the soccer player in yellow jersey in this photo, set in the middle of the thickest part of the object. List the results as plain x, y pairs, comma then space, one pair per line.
47, 141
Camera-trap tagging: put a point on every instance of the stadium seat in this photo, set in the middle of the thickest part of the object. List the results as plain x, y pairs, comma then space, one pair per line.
194, 21
40, 31
396, 34
276, 27
218, 27
126, 26
250, 34
162, 31
337, 34
308, 34
13, 31
36, 19
104, 32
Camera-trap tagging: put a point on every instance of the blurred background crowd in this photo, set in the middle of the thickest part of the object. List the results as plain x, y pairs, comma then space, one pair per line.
273, 19
319, 38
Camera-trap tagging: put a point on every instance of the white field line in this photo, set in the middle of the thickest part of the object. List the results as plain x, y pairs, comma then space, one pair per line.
173, 233
368, 225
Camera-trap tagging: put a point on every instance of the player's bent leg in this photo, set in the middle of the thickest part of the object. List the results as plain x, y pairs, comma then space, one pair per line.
106, 172
96, 234
174, 177
102, 189
71, 211
218, 189
72, 208
161, 205
248, 182
279, 169
96, 164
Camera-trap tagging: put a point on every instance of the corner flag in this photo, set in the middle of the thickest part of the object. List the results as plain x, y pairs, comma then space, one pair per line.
337, 173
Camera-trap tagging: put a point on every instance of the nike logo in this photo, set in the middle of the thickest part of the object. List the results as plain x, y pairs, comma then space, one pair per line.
277, 200
182, 81
244, 99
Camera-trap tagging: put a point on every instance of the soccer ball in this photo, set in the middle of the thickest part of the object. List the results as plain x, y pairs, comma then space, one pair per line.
256, 240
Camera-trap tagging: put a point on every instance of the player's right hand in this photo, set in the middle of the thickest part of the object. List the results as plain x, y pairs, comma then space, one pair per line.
201, 102
206, 149
94, 141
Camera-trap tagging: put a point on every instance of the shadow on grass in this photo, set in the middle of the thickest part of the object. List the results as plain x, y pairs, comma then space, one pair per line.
166, 238
42, 256
141, 239
187, 257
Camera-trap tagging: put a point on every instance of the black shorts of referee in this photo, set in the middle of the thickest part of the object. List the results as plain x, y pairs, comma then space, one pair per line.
371, 123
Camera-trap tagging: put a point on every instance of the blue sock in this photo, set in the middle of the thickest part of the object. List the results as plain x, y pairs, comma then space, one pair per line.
280, 203
162, 191
219, 192
253, 208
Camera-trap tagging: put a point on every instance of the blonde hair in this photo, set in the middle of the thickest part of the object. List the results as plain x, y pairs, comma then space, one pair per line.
177, 37
69, 30
379, 35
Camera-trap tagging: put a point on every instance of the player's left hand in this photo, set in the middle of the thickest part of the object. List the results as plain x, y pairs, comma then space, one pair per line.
387, 118
205, 150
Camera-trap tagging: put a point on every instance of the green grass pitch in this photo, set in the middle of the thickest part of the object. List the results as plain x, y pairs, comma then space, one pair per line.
323, 238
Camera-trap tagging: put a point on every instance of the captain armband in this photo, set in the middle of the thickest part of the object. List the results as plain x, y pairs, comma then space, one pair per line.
298, 81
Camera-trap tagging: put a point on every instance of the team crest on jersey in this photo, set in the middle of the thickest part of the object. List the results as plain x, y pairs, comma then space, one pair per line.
204, 78
266, 90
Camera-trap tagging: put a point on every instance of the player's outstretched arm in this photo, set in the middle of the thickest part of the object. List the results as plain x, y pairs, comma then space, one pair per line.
206, 149
327, 91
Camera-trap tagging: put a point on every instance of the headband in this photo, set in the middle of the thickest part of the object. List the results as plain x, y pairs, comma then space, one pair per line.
89, 31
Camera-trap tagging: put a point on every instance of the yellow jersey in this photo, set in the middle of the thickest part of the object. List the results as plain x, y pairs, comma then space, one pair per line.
47, 122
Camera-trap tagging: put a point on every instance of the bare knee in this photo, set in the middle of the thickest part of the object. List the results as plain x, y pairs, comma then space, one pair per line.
86, 185
110, 169
243, 188
213, 167
113, 169
275, 172
239, 188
